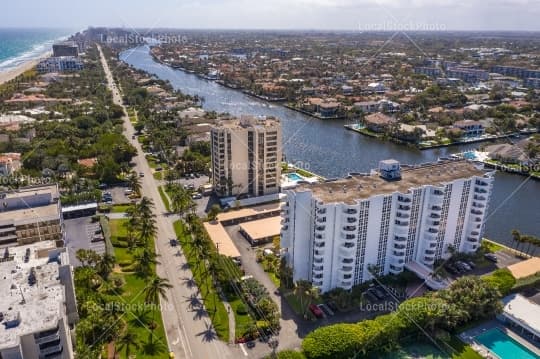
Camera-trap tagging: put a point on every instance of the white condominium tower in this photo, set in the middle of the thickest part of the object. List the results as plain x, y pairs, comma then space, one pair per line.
246, 156
336, 233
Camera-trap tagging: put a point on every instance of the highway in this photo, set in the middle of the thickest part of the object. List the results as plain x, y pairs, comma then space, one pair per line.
188, 335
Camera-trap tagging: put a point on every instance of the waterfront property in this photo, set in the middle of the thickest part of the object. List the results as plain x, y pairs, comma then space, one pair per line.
37, 305
246, 156
522, 315
503, 345
338, 233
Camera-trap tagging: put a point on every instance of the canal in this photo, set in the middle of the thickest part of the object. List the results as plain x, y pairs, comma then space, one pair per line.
326, 148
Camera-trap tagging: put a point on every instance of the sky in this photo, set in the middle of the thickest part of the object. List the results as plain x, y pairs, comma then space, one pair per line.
362, 15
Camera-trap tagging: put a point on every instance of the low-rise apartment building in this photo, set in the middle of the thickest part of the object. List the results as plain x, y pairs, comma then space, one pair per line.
340, 233
30, 214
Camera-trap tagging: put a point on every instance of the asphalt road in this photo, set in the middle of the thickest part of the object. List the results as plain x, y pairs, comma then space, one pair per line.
189, 335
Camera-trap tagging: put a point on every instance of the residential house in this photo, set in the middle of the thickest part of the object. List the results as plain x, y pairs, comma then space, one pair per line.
378, 122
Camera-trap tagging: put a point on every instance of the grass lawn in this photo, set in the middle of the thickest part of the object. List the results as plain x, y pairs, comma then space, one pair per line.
158, 176
462, 350
164, 198
242, 321
213, 304
120, 208
138, 316
491, 246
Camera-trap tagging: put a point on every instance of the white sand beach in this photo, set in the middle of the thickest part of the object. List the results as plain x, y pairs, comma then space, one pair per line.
11, 74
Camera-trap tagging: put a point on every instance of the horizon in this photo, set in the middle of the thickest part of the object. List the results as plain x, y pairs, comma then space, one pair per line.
318, 15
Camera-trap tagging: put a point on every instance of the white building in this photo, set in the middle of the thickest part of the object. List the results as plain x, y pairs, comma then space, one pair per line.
335, 233
60, 64
37, 306
246, 156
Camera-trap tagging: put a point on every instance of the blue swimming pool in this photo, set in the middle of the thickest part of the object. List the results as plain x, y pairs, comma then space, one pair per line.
294, 177
504, 346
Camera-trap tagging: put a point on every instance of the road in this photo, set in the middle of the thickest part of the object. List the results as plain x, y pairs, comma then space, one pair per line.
188, 335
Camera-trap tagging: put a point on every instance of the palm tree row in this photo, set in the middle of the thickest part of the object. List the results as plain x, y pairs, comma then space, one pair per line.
524, 239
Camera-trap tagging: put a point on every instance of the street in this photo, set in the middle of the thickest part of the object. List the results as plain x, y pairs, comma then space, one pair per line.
187, 334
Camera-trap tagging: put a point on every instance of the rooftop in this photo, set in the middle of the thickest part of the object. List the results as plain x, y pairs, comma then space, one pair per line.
262, 228
358, 187
221, 239
39, 306
249, 211
523, 310
525, 268
248, 121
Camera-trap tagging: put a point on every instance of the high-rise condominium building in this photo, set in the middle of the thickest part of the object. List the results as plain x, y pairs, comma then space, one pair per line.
246, 156
38, 309
340, 233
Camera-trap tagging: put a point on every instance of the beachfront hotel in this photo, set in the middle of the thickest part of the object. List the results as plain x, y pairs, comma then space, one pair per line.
337, 233
246, 156
38, 309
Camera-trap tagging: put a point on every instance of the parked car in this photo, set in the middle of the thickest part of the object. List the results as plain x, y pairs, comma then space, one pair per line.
471, 264
325, 309
141, 174
173, 242
332, 306
317, 312
451, 269
250, 344
491, 257
197, 196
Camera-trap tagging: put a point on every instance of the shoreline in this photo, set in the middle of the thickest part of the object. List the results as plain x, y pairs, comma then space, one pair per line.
9, 75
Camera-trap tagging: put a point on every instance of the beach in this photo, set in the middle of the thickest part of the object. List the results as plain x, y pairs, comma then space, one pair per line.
11, 74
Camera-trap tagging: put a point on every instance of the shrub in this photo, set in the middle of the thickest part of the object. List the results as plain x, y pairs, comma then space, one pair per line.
501, 279
241, 309
335, 341
289, 354
124, 263
119, 244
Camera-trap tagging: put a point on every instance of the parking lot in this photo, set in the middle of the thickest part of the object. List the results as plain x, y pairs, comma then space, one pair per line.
79, 235
118, 194
205, 202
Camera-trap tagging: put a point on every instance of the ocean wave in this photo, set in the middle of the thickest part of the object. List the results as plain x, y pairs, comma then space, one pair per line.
37, 51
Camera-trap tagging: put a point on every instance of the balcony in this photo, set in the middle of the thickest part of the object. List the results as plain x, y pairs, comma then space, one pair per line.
400, 214
404, 199
478, 205
481, 183
395, 269
437, 192
321, 211
348, 236
479, 198
399, 246
346, 284
318, 269
346, 269
433, 230
429, 252
474, 233
350, 211
347, 253
318, 253
318, 283
48, 338
351, 220
320, 228
348, 244
435, 215
404, 208
472, 240
401, 223
398, 253
285, 227
429, 259
321, 219
436, 208
477, 212
347, 261
400, 239
319, 244
349, 228
318, 260
480, 190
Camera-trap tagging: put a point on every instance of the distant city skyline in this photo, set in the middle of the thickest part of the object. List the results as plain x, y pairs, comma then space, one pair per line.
361, 15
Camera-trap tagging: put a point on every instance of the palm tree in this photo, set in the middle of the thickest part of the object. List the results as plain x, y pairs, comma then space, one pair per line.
156, 288
105, 265
516, 237
145, 259
127, 342
147, 229
135, 183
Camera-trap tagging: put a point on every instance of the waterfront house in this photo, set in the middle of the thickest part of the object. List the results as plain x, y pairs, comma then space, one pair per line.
367, 106
470, 128
378, 122
328, 109
510, 153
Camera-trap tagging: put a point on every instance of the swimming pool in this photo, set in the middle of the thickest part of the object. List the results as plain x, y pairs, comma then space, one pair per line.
504, 346
294, 177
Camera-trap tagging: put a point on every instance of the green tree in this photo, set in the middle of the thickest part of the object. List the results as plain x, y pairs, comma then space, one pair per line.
156, 288
127, 342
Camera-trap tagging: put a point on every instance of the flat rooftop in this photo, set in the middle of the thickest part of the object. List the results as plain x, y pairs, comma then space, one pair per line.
248, 122
355, 187
525, 268
221, 239
249, 212
43, 302
262, 228
31, 191
31, 215
522, 310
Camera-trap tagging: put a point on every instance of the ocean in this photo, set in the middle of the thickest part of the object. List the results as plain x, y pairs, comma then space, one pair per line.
20, 45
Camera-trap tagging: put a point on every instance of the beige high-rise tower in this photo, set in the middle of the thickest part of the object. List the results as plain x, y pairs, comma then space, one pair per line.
246, 156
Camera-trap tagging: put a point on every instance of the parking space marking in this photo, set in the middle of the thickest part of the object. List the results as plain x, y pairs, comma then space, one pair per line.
242, 346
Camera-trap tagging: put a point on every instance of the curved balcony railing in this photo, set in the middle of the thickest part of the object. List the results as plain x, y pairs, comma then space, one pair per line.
401, 223
400, 239
472, 240
285, 227
346, 284
478, 205
399, 246
350, 211
318, 260
481, 183
349, 228
320, 228
436, 208
352, 220
477, 212
429, 259
480, 190
403, 199
403, 215
479, 198
395, 269
405, 208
